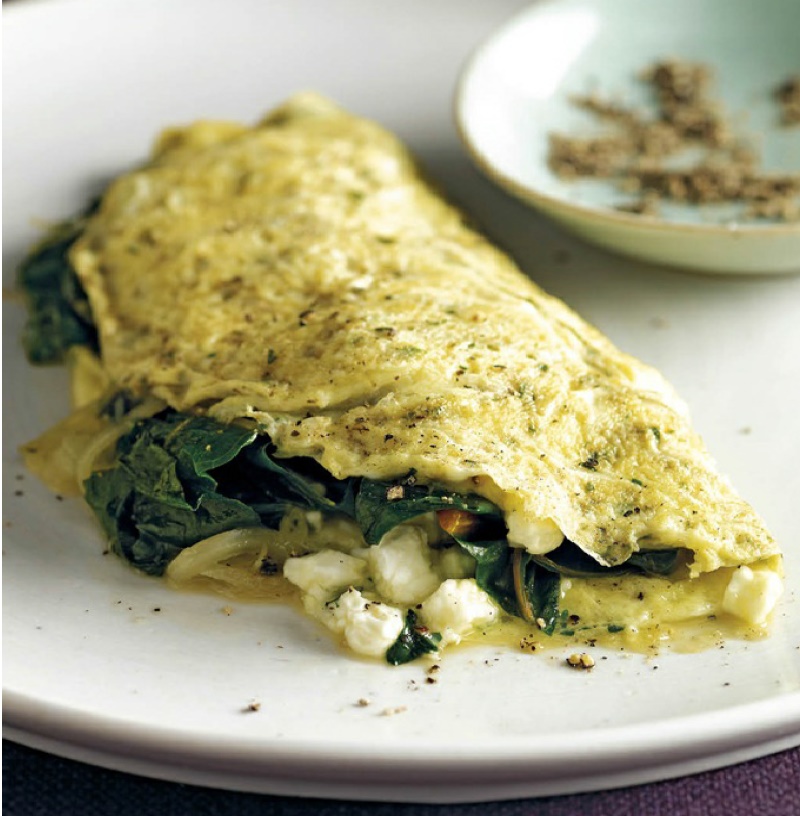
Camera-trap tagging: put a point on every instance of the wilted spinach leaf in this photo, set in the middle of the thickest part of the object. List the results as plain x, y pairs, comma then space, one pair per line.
543, 592
654, 562
59, 315
413, 642
568, 559
381, 506
182, 478
160, 497
270, 485
295, 487
535, 596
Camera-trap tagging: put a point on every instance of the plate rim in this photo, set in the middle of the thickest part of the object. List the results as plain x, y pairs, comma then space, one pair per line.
446, 780
745, 723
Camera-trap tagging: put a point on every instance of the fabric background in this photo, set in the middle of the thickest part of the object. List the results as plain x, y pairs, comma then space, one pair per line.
36, 784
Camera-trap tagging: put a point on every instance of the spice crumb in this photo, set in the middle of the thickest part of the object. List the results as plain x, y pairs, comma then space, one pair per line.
788, 96
362, 702
391, 711
253, 705
583, 661
227, 610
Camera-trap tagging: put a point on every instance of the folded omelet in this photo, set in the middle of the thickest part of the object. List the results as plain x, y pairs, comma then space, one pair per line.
300, 278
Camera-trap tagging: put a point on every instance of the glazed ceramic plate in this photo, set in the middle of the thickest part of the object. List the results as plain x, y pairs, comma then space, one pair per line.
516, 91
108, 666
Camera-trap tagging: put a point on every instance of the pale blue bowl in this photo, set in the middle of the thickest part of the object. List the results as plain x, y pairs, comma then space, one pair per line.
515, 91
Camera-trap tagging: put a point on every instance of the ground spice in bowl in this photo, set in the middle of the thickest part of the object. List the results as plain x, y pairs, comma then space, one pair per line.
639, 148
788, 96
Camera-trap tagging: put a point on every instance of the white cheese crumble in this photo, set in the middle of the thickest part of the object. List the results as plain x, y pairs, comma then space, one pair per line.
369, 627
325, 574
456, 608
326, 579
752, 594
403, 570
537, 536
401, 566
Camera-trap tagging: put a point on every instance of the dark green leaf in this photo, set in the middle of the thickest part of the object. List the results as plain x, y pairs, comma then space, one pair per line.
571, 561
160, 497
413, 642
493, 572
59, 315
271, 485
544, 593
381, 506
655, 562
288, 484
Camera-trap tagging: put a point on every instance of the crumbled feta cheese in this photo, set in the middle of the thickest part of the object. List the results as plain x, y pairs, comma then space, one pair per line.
327, 579
369, 627
457, 607
752, 594
400, 566
325, 574
537, 536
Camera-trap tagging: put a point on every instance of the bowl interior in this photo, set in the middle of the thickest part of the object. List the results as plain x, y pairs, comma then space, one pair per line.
516, 90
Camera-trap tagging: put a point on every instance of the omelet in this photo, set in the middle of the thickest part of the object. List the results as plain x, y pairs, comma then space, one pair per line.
301, 278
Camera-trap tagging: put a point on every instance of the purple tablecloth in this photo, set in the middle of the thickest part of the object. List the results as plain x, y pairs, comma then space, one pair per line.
36, 784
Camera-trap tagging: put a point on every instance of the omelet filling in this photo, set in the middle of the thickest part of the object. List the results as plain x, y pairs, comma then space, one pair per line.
395, 569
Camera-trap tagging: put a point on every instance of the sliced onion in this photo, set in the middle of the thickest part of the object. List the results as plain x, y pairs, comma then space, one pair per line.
211, 552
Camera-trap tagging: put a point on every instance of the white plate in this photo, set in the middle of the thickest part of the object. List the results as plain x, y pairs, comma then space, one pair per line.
93, 672
516, 91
